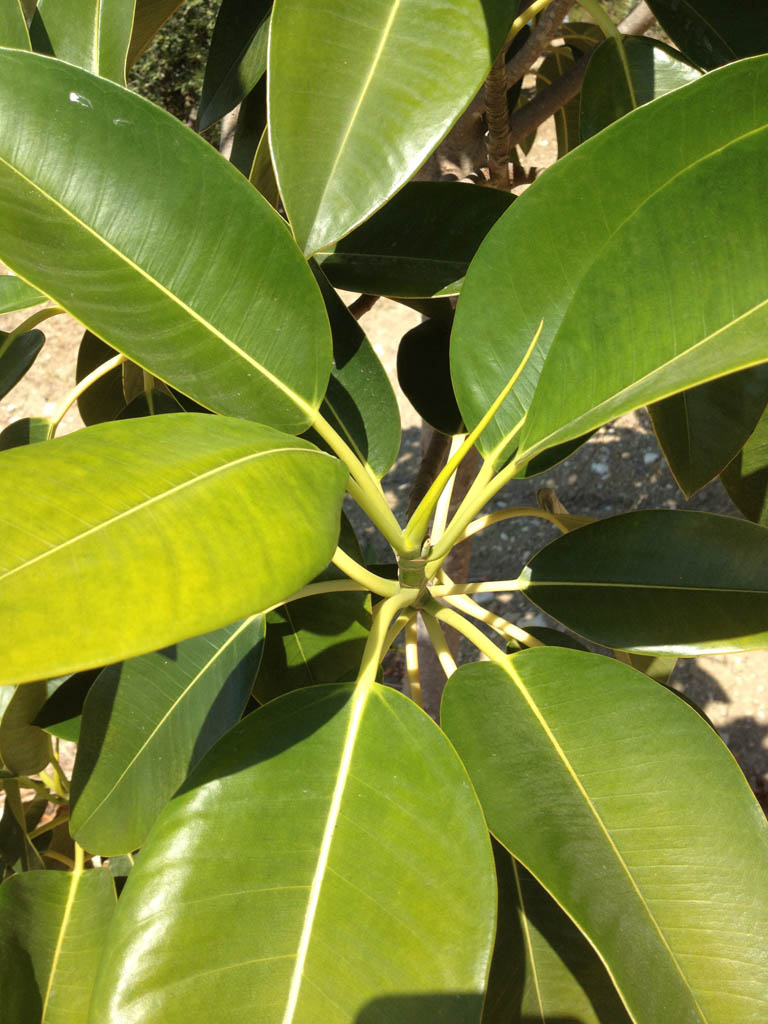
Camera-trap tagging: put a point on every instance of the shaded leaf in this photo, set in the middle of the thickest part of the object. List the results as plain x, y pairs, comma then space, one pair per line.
237, 59
166, 708
54, 925
424, 374
643, 856
149, 16
28, 430
658, 582
60, 715
17, 356
17, 851
127, 191
165, 527
712, 32
104, 399
419, 244
554, 66
350, 878
746, 477
24, 748
251, 123
369, 93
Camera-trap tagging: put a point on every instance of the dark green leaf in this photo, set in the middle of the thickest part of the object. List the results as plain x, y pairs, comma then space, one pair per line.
17, 357
15, 293
634, 816
104, 399
24, 748
612, 88
251, 124
61, 713
164, 528
550, 637
29, 430
424, 374
419, 244
237, 58
54, 925
714, 32
150, 403
311, 873
17, 852
701, 430
139, 213
662, 582
347, 132
166, 708
746, 478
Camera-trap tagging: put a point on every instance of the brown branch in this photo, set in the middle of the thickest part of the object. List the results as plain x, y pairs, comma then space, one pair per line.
434, 453
542, 35
638, 20
497, 116
544, 104
362, 304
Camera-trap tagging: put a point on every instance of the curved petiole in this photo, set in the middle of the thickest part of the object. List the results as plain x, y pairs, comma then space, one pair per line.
69, 400
367, 579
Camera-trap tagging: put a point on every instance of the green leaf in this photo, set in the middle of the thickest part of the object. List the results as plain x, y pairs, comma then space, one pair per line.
640, 245
17, 357
93, 34
612, 88
54, 925
251, 124
126, 192
713, 32
359, 403
543, 968
166, 708
16, 294
28, 430
104, 399
237, 58
368, 92
658, 582
419, 244
163, 528
25, 748
553, 67
262, 174
701, 430
332, 876
746, 478
17, 852
13, 25
632, 813
61, 714
149, 16
424, 375
318, 639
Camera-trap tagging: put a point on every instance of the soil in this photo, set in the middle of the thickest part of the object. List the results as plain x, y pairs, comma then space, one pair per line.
618, 470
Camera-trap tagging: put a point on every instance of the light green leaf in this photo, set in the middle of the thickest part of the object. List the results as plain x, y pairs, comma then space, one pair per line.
16, 294
746, 478
368, 90
658, 582
93, 34
303, 870
54, 925
237, 58
13, 25
140, 214
627, 807
166, 708
637, 301
148, 531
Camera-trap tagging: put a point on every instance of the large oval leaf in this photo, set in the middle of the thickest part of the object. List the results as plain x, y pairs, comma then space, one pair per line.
326, 854
369, 90
94, 34
157, 244
631, 812
131, 535
166, 708
637, 301
658, 581
713, 32
53, 928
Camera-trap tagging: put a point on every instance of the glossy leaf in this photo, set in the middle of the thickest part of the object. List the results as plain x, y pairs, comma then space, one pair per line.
660, 582
54, 925
149, 16
13, 25
332, 876
16, 294
553, 67
24, 748
641, 242
93, 34
17, 356
626, 812
166, 708
368, 92
127, 190
419, 244
746, 477
359, 402
237, 58
424, 374
543, 968
612, 89
701, 430
28, 430
163, 528
713, 32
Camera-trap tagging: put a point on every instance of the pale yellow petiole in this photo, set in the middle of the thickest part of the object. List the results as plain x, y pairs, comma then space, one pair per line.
497, 622
70, 399
439, 643
383, 520
479, 587
358, 573
473, 634
412, 660
522, 19
395, 629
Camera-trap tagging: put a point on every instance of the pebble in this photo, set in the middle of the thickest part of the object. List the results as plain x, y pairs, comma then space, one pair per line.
650, 457
601, 469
